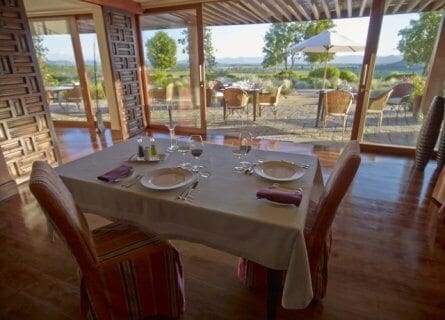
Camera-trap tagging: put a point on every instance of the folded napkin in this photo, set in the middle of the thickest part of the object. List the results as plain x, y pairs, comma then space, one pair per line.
276, 195
112, 175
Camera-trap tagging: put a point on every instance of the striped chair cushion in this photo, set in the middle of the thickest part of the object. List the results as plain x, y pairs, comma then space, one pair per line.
142, 275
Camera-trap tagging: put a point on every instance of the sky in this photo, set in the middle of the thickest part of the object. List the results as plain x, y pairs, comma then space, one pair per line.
247, 40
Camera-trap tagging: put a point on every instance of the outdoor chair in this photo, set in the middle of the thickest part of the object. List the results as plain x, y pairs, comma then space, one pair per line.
73, 95
377, 104
400, 96
214, 93
270, 100
317, 231
336, 103
235, 99
125, 273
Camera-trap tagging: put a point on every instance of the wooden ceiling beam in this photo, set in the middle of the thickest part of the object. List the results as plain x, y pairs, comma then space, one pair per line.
248, 6
278, 5
233, 17
439, 5
272, 13
210, 18
300, 8
124, 5
396, 8
315, 10
327, 12
293, 11
412, 5
349, 5
245, 13
337, 9
425, 4
362, 8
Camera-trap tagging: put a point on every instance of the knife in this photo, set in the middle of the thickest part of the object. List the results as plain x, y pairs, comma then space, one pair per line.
194, 185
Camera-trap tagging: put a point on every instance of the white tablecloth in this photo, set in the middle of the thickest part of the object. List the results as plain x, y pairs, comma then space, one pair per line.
224, 213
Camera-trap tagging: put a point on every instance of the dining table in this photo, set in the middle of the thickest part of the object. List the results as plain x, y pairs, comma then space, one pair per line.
56, 92
224, 212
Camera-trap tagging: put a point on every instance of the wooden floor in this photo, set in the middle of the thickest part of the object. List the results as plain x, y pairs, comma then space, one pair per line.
388, 258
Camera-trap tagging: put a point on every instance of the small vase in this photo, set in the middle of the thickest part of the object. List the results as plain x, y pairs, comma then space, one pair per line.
429, 133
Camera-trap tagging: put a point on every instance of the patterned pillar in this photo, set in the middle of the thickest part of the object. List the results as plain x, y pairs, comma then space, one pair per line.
122, 45
26, 130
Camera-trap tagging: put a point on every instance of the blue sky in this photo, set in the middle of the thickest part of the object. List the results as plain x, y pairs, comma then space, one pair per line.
247, 40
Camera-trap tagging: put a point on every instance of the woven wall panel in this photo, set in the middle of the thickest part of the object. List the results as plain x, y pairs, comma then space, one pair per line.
123, 51
26, 133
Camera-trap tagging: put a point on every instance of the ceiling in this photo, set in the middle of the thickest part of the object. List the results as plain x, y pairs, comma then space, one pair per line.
233, 12
269, 11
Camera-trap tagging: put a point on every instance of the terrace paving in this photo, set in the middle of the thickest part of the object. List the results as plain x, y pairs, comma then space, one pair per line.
295, 122
296, 118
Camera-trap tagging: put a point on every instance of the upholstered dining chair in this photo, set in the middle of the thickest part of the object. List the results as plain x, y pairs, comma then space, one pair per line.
125, 273
400, 95
336, 103
377, 104
270, 100
235, 99
317, 229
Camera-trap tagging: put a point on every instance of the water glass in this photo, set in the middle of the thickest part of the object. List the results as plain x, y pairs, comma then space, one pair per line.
184, 148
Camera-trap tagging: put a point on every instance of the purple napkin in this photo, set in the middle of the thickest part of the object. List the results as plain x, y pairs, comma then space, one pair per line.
116, 173
290, 197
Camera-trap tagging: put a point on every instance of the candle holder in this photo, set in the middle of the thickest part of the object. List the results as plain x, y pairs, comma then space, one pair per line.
171, 129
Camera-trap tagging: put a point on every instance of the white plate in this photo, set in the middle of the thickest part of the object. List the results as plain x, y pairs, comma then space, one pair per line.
167, 178
279, 171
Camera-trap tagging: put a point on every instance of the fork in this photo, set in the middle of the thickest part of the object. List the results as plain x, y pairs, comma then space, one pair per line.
128, 184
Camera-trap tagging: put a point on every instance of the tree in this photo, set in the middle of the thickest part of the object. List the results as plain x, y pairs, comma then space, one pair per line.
41, 52
161, 51
312, 29
276, 43
209, 50
418, 40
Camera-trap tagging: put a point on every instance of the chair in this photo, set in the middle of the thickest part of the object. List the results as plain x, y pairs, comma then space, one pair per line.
214, 93
400, 95
270, 100
125, 274
336, 103
317, 229
235, 99
377, 104
73, 95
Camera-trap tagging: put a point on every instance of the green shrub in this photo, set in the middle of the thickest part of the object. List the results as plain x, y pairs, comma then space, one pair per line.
398, 76
97, 91
348, 75
161, 78
331, 72
287, 74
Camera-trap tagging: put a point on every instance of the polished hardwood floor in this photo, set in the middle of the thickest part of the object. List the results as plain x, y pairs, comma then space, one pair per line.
388, 258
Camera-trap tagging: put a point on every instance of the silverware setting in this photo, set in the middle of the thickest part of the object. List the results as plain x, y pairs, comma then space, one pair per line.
186, 193
249, 171
278, 185
131, 182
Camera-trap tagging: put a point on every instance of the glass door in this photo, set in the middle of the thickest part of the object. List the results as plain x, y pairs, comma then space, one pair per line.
173, 63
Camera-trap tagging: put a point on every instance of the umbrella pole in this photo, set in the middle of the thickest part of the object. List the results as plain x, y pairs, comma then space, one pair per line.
325, 69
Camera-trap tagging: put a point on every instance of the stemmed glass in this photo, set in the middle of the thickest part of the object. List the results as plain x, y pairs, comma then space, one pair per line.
240, 150
184, 148
171, 129
196, 149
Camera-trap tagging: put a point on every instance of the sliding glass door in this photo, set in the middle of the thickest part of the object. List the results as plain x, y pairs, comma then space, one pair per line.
173, 63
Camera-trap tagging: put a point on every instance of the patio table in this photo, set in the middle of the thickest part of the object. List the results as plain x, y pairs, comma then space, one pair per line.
224, 213
56, 92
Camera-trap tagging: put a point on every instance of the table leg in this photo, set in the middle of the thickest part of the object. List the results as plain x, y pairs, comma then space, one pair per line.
254, 102
320, 109
273, 292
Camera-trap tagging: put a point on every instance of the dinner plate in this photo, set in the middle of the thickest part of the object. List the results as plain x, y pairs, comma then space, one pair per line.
167, 178
279, 171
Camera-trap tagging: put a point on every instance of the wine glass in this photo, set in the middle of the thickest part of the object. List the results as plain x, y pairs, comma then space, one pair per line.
196, 149
240, 149
184, 148
171, 129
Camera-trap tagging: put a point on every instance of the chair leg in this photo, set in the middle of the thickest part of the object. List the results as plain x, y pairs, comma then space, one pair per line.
345, 120
380, 120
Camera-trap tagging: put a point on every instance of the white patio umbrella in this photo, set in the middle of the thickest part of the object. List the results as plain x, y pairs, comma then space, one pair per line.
327, 41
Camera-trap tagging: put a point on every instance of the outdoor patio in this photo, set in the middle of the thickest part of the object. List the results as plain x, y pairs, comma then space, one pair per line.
295, 121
